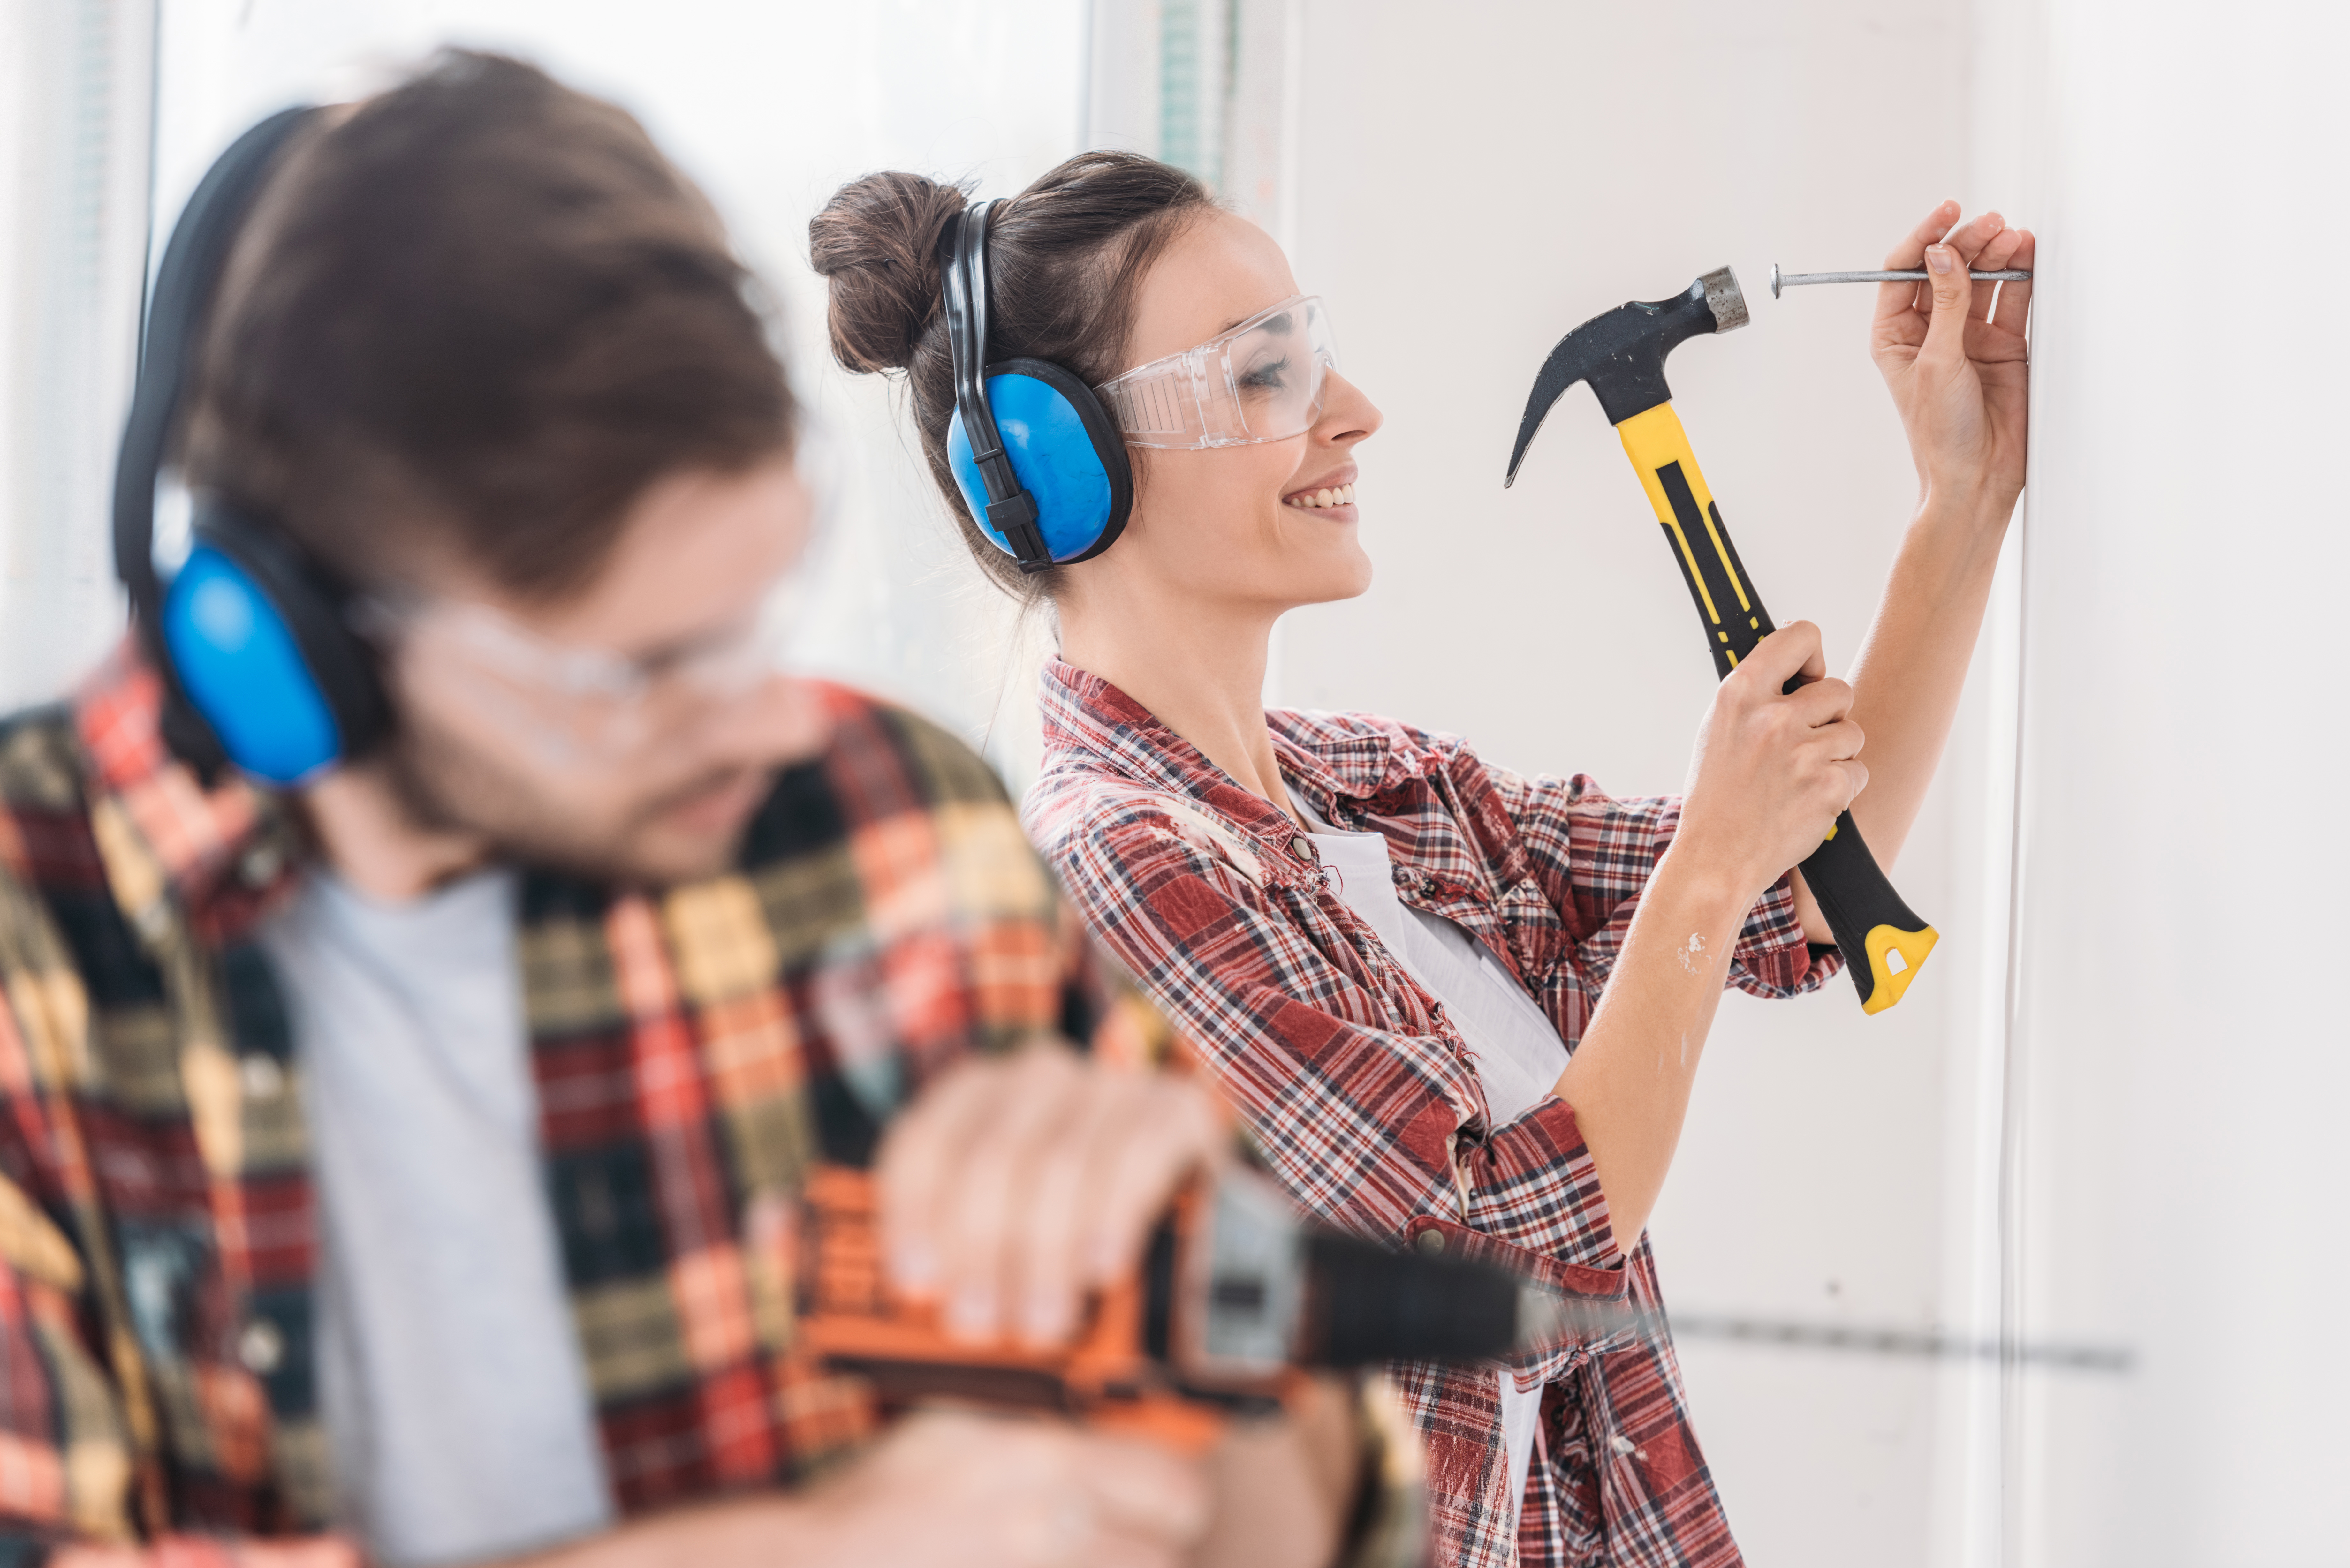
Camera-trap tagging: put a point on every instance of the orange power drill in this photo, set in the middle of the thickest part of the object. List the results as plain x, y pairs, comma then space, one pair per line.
1234, 1301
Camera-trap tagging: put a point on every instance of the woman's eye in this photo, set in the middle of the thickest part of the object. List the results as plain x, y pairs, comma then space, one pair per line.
1270, 377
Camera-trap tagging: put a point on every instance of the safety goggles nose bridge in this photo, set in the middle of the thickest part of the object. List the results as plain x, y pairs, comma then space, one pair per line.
1204, 398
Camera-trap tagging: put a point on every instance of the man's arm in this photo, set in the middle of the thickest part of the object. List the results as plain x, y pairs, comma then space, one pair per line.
941, 1487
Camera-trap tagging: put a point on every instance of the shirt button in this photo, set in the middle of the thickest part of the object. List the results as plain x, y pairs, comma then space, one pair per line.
261, 1347
1431, 1241
260, 866
262, 1078
1303, 847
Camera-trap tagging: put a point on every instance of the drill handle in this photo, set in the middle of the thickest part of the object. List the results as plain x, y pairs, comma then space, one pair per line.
1882, 940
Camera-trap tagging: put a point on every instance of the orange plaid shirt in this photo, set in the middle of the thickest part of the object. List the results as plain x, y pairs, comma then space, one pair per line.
696, 1051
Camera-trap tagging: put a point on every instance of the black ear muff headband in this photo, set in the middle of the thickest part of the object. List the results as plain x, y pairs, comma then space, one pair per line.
1009, 507
336, 666
184, 286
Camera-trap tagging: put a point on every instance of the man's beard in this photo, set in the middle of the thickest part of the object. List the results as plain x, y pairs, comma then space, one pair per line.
444, 787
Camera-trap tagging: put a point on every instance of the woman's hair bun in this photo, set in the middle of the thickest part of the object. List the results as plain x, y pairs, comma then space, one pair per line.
876, 245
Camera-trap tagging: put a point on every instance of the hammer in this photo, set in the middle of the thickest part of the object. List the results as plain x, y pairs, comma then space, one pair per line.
1621, 353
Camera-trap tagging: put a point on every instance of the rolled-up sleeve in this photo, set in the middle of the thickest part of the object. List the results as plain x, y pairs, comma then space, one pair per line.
1593, 854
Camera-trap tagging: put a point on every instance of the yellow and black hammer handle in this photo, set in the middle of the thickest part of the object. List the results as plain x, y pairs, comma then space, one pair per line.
1620, 354
1882, 940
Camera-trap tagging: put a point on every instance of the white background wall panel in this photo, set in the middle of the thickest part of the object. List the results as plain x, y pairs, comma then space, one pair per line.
1469, 191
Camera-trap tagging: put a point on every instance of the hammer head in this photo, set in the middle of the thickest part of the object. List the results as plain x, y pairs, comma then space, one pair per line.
1621, 352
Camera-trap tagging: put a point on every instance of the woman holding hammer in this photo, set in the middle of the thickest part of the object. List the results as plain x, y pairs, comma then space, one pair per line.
1460, 1009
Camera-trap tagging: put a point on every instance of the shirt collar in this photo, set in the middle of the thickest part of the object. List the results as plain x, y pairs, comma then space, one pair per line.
1327, 760
221, 855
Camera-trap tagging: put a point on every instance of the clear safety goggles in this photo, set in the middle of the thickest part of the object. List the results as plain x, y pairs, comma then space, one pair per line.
575, 705
1261, 381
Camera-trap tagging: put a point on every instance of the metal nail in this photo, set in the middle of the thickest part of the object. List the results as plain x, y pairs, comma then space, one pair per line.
1793, 279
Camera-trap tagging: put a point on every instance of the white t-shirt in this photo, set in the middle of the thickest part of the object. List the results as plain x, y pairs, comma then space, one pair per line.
1517, 1054
451, 1380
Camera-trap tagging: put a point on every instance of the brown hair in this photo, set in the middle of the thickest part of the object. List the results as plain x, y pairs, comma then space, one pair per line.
1065, 259
482, 304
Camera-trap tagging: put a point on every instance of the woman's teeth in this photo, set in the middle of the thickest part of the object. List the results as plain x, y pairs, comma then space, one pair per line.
1344, 495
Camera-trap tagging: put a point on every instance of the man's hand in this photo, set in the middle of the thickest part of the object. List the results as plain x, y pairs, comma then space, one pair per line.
209, 1551
943, 1486
1957, 374
1011, 1187
1008, 1492
1015, 1184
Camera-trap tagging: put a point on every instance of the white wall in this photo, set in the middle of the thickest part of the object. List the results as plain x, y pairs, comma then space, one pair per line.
2180, 1164
73, 96
1472, 181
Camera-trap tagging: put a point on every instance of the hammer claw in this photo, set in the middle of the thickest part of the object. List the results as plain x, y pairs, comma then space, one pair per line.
1560, 370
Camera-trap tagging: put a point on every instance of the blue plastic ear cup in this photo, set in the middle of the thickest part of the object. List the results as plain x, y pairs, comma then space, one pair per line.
258, 664
242, 666
1064, 452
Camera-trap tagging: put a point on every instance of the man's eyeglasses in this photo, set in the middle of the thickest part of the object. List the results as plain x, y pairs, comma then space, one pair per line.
573, 704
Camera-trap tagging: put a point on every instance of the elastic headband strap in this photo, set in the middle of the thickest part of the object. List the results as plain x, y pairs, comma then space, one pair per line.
184, 283
1011, 510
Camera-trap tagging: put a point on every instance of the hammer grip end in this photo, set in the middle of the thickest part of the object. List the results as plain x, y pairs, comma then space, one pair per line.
1894, 957
1883, 942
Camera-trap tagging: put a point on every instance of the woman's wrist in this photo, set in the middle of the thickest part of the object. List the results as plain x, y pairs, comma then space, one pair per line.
1706, 890
1973, 503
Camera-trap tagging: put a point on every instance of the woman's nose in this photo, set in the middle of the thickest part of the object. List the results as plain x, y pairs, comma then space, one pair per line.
1348, 416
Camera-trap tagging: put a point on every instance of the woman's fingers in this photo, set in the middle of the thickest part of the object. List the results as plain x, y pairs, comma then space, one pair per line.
1952, 298
1823, 702
1970, 238
1999, 252
1839, 741
1856, 779
1975, 241
1905, 252
1897, 300
1905, 310
2015, 298
1954, 305
1787, 653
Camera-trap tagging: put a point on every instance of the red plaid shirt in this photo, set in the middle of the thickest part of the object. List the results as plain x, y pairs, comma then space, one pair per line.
1359, 1090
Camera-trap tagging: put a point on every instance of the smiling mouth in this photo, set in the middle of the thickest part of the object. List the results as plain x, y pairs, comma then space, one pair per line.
1315, 500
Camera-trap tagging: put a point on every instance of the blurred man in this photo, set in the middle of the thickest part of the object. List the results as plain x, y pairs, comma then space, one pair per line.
406, 1160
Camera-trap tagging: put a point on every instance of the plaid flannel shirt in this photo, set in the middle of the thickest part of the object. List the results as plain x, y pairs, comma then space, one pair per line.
1360, 1092
694, 1052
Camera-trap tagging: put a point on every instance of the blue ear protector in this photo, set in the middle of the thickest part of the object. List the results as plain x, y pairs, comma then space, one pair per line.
1039, 461
259, 667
